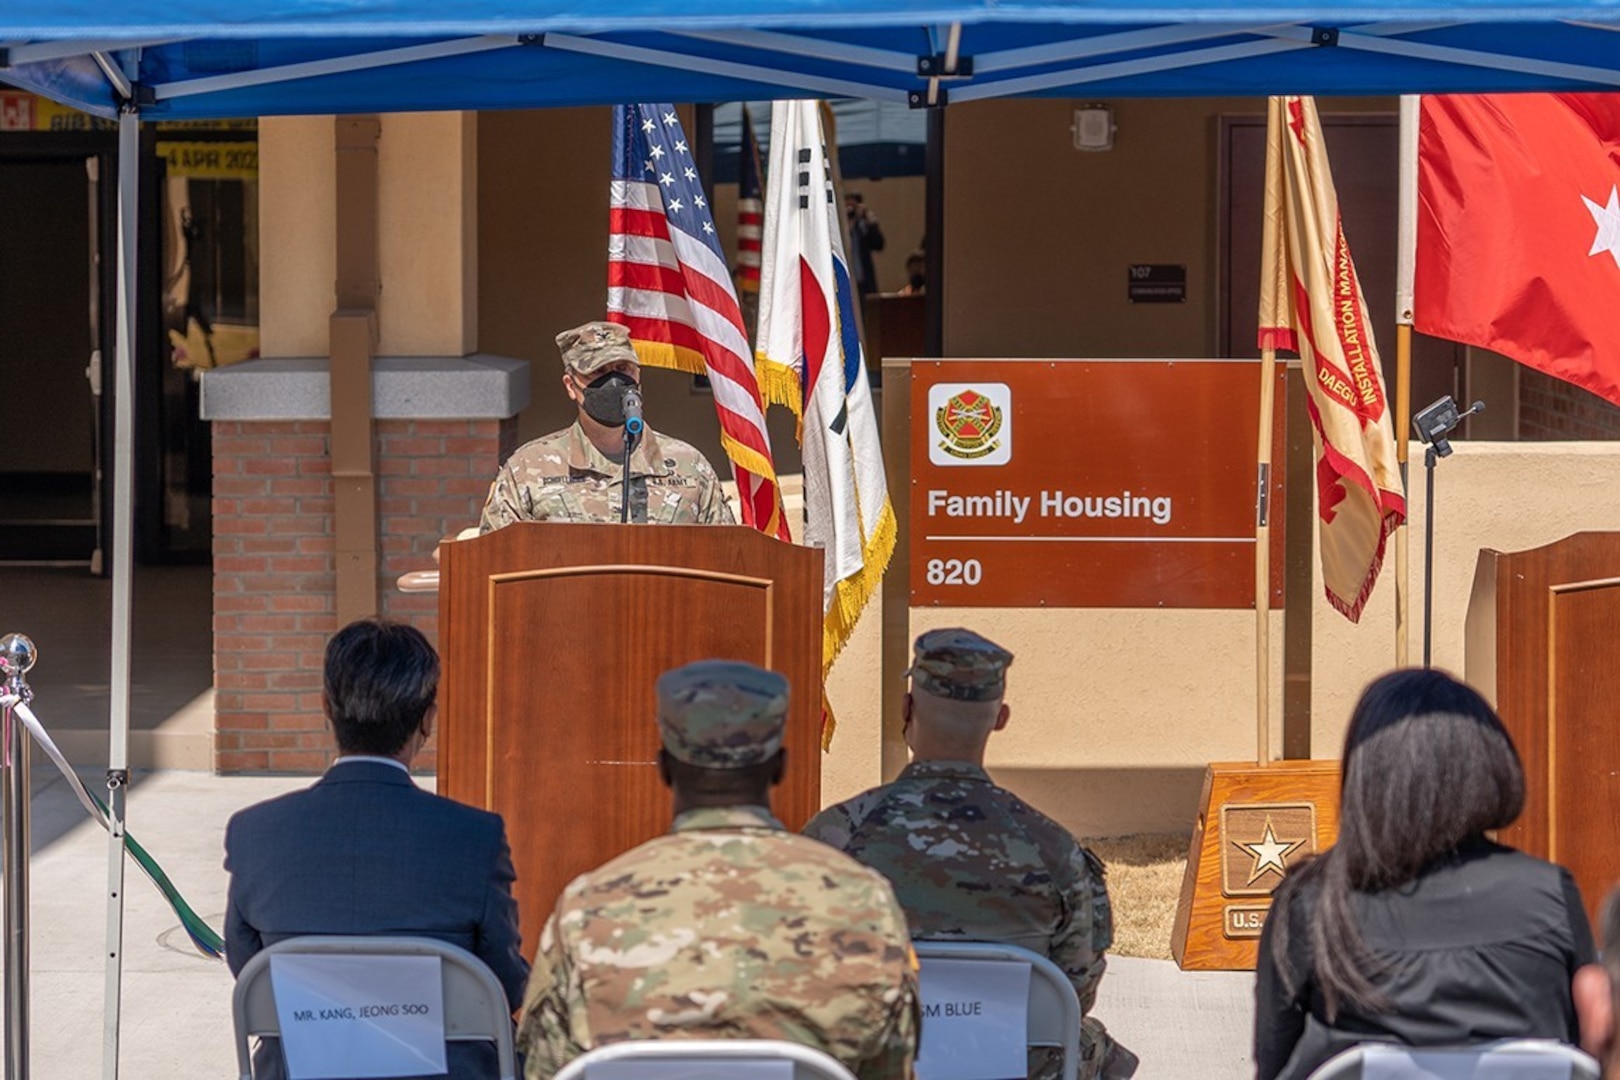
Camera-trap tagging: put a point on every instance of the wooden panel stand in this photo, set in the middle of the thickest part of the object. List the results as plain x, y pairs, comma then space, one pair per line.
1541, 645
552, 636
1254, 823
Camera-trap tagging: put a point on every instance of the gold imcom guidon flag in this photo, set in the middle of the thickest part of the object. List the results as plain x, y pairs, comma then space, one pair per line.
1311, 302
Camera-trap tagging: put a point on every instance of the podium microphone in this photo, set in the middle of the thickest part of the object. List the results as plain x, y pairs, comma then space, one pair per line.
633, 424
633, 427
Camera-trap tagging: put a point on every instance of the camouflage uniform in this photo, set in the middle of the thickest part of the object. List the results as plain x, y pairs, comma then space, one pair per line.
729, 926
970, 861
564, 477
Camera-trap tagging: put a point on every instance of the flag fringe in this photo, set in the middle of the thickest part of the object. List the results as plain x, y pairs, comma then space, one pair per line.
662, 354
1352, 609
850, 595
779, 384
750, 460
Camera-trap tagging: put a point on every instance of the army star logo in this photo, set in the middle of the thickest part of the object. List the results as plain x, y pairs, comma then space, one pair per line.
969, 421
1269, 853
1260, 842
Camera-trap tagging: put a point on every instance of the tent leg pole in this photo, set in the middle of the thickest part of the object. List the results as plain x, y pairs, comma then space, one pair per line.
14, 792
123, 535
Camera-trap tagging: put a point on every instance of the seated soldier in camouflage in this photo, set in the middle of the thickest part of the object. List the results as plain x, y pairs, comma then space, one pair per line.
970, 861
577, 474
729, 926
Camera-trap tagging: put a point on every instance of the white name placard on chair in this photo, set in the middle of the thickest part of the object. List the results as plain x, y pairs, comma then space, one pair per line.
975, 1020
359, 1016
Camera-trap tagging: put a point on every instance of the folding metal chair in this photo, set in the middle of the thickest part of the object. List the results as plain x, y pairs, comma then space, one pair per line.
1054, 1008
1521, 1059
475, 1005
697, 1059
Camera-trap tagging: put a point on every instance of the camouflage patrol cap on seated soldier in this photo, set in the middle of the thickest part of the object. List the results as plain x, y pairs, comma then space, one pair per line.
722, 714
594, 346
960, 665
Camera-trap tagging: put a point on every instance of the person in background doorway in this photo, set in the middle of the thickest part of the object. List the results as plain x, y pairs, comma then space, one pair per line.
865, 239
916, 274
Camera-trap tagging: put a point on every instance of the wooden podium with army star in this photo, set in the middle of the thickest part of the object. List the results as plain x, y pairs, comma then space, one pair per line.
1255, 822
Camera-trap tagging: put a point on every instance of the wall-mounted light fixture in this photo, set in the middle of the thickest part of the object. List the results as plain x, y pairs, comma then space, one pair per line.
1093, 128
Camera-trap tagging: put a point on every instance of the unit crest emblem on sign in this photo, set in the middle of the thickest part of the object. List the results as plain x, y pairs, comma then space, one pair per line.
969, 422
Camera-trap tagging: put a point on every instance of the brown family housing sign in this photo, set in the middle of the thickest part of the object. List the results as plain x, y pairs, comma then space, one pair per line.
1087, 483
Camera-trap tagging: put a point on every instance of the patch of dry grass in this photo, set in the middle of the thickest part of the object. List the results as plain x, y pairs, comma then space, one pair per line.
1144, 883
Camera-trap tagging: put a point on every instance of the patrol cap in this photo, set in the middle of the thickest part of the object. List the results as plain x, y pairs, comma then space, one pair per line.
722, 714
960, 665
594, 346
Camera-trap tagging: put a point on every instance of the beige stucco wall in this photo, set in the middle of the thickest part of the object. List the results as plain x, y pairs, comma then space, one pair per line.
1039, 234
427, 244
297, 216
1507, 496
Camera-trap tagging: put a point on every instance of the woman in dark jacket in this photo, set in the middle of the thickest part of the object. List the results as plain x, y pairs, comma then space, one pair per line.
1415, 928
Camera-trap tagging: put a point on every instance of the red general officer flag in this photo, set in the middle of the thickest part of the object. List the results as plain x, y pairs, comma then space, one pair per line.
1518, 230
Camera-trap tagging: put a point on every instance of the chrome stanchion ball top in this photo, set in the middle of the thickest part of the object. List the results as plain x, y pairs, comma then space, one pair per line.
17, 655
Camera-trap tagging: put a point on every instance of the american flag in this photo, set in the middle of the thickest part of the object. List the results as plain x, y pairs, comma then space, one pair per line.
668, 283
750, 208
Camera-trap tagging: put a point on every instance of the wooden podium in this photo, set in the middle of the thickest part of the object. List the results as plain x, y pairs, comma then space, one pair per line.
552, 636
1541, 645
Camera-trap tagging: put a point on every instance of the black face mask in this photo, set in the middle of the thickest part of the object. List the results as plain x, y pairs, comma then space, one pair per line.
604, 398
918, 281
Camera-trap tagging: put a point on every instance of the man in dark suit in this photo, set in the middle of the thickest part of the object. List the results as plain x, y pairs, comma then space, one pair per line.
365, 851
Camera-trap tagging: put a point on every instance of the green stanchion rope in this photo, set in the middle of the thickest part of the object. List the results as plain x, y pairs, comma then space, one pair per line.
203, 937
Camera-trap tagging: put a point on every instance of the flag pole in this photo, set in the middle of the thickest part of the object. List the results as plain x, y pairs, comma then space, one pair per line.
1262, 561
1405, 257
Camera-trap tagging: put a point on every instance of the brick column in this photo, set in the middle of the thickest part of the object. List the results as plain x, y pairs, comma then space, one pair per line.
274, 564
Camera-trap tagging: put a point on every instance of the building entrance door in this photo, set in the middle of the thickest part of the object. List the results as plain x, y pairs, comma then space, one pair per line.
52, 459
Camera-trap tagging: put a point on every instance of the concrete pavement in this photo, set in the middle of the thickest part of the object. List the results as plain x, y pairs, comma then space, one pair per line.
176, 1004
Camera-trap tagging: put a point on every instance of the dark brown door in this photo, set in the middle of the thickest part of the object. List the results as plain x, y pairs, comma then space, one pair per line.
1363, 152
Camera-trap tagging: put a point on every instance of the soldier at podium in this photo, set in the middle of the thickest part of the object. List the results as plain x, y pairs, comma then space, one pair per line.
577, 474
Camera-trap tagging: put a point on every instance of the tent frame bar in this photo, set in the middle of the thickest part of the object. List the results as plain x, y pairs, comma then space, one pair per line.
38, 51
1492, 61
1125, 69
115, 78
817, 48
336, 65
1103, 44
770, 76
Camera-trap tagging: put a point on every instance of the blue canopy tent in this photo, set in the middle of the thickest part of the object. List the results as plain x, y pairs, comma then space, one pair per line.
184, 59
255, 57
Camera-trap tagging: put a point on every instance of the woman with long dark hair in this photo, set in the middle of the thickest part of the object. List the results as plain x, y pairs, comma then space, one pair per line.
1414, 927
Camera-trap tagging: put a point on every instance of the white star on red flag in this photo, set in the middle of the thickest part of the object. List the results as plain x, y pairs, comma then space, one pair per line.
1608, 225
